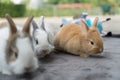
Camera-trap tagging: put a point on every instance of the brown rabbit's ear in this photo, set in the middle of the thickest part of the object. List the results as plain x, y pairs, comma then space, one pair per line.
84, 26
95, 22
26, 27
13, 28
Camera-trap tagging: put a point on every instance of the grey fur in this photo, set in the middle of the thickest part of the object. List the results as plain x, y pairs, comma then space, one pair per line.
42, 23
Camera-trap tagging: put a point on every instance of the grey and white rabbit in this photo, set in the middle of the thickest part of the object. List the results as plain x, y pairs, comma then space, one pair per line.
16, 53
43, 35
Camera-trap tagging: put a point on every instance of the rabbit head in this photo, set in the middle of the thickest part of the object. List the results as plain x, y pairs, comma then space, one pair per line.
93, 42
41, 41
19, 53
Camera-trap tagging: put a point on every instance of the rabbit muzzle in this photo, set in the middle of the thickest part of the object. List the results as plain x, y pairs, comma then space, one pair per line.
42, 53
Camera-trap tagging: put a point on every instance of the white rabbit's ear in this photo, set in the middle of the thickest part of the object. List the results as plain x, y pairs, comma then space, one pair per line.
13, 28
35, 26
26, 27
84, 27
95, 22
41, 22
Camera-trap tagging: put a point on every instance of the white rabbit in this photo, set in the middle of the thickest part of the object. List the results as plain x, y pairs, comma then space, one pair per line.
16, 53
43, 35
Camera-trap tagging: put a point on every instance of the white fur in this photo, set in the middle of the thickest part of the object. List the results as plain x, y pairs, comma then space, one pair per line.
45, 37
26, 57
43, 43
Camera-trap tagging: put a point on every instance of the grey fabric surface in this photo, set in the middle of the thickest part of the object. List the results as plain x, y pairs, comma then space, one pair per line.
64, 66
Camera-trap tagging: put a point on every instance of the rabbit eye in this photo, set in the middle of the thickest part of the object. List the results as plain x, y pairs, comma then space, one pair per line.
91, 42
16, 54
36, 41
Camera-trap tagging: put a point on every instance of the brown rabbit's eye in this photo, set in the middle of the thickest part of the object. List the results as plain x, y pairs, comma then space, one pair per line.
91, 42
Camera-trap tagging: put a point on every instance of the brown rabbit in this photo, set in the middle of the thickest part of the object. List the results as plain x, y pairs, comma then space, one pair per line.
79, 39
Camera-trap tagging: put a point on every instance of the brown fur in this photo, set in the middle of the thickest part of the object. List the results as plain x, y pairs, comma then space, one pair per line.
75, 39
13, 28
26, 28
11, 49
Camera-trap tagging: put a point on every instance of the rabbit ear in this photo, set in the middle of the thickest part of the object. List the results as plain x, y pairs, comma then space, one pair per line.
42, 25
26, 27
35, 26
13, 28
95, 22
84, 26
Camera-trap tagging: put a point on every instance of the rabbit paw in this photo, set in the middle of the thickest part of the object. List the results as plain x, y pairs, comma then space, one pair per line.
83, 55
6, 72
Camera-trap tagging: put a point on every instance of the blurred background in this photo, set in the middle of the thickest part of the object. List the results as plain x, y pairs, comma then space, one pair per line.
57, 12
23, 8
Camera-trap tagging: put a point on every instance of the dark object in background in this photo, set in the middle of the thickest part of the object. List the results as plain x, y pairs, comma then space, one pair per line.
108, 19
109, 34
106, 9
61, 25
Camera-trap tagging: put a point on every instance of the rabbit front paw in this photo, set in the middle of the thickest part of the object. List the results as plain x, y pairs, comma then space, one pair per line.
6, 72
84, 55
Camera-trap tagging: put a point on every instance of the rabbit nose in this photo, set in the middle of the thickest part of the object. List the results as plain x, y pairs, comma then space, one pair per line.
44, 51
27, 69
